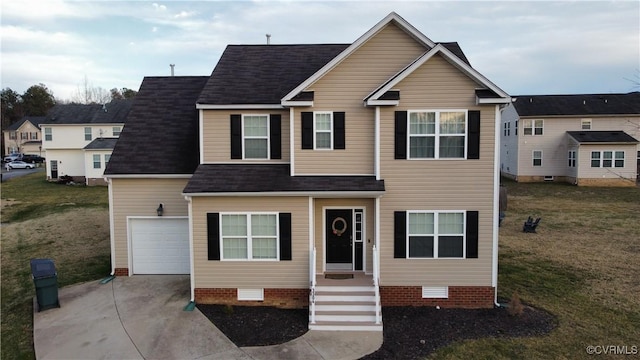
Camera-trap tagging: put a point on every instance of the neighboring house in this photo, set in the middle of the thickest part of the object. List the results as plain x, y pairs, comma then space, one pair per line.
588, 139
294, 163
79, 139
24, 136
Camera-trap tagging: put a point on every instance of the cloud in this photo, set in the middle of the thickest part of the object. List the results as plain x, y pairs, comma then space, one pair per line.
159, 7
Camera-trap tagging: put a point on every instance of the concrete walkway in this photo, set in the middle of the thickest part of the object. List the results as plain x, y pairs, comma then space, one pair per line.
142, 317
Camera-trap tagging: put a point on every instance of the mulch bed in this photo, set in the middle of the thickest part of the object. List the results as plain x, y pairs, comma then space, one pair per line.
409, 332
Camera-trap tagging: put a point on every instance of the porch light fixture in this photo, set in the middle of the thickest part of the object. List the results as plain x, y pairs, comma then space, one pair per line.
160, 209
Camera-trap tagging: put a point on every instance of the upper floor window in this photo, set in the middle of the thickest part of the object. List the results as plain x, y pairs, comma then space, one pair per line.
607, 159
255, 134
48, 135
516, 128
323, 130
96, 161
437, 134
572, 158
116, 131
34, 136
13, 135
107, 157
533, 127
252, 236
537, 157
24, 136
585, 124
87, 133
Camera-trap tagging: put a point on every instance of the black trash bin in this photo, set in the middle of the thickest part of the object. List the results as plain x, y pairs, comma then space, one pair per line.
45, 279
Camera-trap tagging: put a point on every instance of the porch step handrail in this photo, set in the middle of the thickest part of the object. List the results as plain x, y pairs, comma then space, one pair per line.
312, 284
376, 282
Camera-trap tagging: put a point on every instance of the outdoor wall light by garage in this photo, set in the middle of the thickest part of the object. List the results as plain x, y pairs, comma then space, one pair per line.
160, 209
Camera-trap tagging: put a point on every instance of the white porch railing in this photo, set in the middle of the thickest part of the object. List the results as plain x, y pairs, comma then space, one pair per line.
312, 284
376, 282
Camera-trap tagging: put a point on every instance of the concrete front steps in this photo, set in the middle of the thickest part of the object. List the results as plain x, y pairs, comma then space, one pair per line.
345, 308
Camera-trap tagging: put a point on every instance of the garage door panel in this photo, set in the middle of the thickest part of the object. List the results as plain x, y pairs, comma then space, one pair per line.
160, 246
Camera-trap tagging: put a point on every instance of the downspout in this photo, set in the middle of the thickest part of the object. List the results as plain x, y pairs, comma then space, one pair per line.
291, 145
200, 132
496, 199
377, 143
192, 279
111, 226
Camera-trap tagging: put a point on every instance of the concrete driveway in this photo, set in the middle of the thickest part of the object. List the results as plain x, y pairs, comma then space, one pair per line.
10, 174
142, 317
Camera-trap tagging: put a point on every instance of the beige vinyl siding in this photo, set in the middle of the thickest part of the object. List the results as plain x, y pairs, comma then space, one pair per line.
217, 134
437, 184
320, 205
585, 171
141, 197
343, 89
252, 274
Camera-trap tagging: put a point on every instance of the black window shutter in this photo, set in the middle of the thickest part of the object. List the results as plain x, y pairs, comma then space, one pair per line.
473, 138
275, 136
472, 234
236, 136
400, 234
338, 131
401, 135
285, 236
307, 130
213, 236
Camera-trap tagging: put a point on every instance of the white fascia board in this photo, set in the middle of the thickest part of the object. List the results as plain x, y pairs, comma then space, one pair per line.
373, 102
290, 103
149, 176
201, 134
402, 23
315, 194
239, 106
493, 100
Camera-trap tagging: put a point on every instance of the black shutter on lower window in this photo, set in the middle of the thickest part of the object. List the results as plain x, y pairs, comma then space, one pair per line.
213, 236
339, 131
236, 136
400, 234
473, 138
307, 130
275, 136
285, 236
401, 135
472, 234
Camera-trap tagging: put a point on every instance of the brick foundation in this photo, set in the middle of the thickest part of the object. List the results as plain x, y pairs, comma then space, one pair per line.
282, 298
121, 272
469, 297
96, 182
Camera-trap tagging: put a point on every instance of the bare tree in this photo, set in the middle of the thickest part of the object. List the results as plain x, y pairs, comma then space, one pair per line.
89, 94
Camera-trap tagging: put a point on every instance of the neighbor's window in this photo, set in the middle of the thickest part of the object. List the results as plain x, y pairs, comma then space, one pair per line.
48, 136
249, 236
585, 124
437, 134
255, 130
107, 157
13, 135
619, 159
435, 234
533, 127
323, 130
34, 136
96, 161
537, 157
87, 133
572, 158
116, 131
607, 159
24, 136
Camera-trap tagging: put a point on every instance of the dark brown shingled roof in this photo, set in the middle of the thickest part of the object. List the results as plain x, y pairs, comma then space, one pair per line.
602, 137
113, 112
585, 104
264, 74
102, 143
161, 132
236, 178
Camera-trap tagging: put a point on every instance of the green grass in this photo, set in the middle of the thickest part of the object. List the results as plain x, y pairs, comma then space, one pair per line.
582, 266
68, 224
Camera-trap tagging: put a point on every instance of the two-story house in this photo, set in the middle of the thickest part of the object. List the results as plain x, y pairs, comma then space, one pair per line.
79, 139
587, 139
339, 177
24, 136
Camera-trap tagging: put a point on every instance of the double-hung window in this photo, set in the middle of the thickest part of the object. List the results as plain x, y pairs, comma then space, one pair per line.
537, 157
116, 131
607, 159
323, 130
533, 127
96, 161
249, 236
435, 234
437, 134
107, 157
255, 133
87, 133
48, 135
572, 158
13, 135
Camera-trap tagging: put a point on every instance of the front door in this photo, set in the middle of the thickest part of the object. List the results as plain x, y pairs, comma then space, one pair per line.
339, 230
54, 169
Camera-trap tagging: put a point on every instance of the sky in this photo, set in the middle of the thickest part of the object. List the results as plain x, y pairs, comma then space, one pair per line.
536, 47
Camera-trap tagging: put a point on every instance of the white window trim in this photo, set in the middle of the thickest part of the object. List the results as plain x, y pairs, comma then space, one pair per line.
533, 158
436, 235
572, 157
437, 134
268, 137
532, 126
48, 134
584, 122
114, 132
249, 236
90, 133
613, 159
330, 131
99, 162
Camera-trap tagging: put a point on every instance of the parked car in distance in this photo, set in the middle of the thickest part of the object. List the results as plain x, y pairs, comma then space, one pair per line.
12, 157
32, 158
20, 165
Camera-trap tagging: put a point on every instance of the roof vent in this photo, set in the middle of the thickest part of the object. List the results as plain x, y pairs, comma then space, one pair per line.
584, 102
530, 100
172, 66
268, 39
104, 107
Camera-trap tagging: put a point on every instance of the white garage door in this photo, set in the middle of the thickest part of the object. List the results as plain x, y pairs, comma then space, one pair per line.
160, 246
